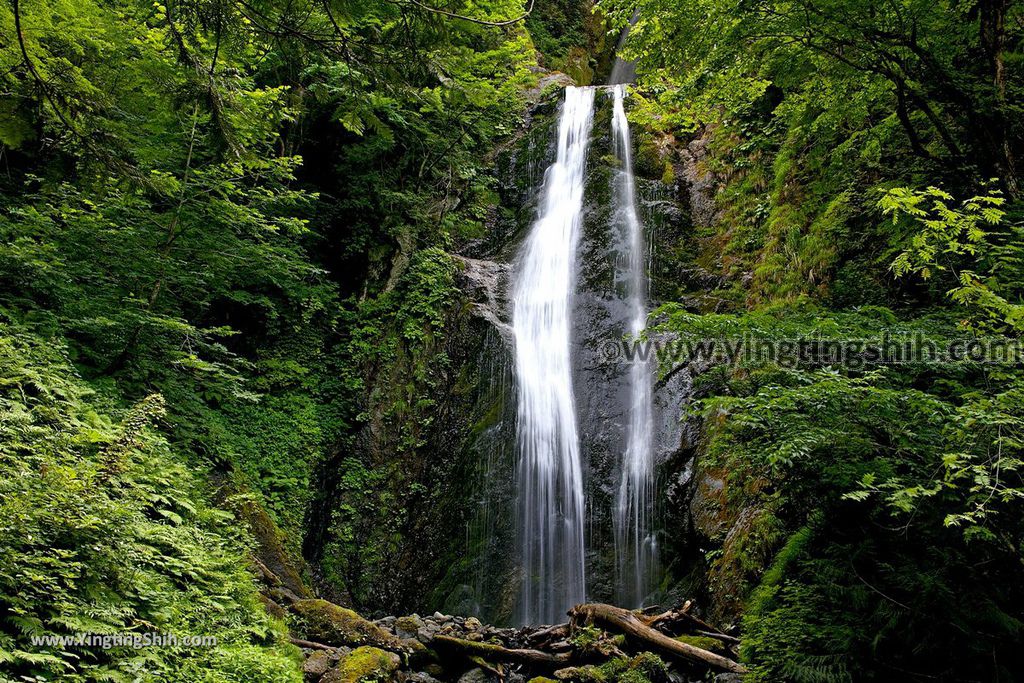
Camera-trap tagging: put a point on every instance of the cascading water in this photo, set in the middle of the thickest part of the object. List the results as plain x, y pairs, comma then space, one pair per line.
550, 472
635, 545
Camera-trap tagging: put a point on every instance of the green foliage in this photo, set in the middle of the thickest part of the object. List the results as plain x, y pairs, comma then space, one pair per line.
809, 109
646, 667
854, 460
954, 241
247, 208
818, 122
570, 36
105, 532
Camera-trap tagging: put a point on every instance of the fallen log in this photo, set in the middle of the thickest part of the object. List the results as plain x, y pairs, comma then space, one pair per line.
678, 615
630, 624
720, 636
549, 633
498, 653
310, 645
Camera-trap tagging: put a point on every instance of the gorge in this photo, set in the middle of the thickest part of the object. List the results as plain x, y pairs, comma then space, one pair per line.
492, 341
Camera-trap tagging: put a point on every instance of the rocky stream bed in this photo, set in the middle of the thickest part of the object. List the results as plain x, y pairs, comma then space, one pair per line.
597, 643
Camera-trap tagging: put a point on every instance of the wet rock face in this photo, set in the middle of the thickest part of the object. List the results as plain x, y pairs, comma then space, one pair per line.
480, 577
458, 551
701, 185
601, 320
484, 581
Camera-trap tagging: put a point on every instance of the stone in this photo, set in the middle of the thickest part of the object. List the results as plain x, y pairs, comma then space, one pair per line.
316, 665
419, 677
476, 675
473, 624
364, 663
324, 622
408, 627
728, 678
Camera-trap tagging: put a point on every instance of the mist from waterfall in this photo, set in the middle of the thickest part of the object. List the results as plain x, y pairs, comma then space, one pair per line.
550, 505
636, 550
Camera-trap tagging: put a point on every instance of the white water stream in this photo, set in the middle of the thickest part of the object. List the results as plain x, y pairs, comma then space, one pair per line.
550, 472
636, 549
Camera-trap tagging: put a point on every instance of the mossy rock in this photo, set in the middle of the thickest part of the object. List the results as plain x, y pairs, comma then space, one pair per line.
646, 667
583, 674
325, 622
541, 679
704, 643
271, 550
648, 162
410, 625
364, 664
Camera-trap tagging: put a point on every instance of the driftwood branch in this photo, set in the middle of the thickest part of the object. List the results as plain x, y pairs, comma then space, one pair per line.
630, 624
310, 645
671, 617
497, 653
719, 636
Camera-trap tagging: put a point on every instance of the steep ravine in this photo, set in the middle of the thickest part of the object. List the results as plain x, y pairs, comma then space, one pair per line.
453, 549
456, 553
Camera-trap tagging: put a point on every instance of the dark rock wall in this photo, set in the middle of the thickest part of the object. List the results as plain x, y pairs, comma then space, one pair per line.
487, 582
456, 550
601, 320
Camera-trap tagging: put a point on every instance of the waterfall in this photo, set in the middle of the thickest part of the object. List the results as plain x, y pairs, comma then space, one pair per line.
550, 502
635, 546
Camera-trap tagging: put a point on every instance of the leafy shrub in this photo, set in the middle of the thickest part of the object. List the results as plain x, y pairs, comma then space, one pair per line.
104, 531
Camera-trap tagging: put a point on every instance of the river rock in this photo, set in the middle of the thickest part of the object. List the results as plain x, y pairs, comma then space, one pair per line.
408, 627
317, 664
477, 675
364, 663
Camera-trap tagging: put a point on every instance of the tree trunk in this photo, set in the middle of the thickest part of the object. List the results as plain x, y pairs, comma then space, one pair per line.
497, 653
628, 623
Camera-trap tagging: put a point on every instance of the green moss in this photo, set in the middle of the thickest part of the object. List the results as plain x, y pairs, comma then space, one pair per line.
363, 664
410, 624
704, 643
648, 163
270, 547
584, 674
491, 418
331, 624
646, 667
576, 64
586, 636
668, 176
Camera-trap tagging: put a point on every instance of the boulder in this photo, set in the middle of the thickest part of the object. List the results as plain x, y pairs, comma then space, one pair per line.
330, 624
317, 664
364, 663
408, 627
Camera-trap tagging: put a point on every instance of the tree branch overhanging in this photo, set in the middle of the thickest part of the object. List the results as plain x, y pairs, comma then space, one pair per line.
483, 22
